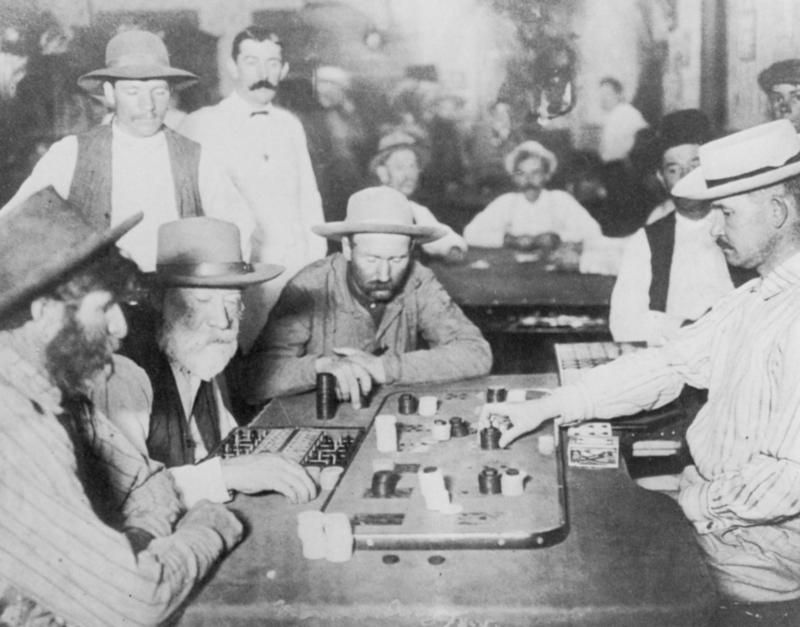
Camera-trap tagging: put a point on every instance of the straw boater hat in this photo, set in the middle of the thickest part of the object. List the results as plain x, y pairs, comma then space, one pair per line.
43, 241
758, 157
204, 252
533, 148
136, 55
398, 140
379, 210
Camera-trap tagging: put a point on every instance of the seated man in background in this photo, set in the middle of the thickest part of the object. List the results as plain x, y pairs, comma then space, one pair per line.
398, 164
672, 271
78, 505
742, 494
182, 412
781, 82
535, 218
367, 314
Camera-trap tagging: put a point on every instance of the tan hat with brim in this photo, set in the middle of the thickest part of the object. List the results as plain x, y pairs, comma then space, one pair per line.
43, 240
757, 157
205, 252
379, 210
136, 55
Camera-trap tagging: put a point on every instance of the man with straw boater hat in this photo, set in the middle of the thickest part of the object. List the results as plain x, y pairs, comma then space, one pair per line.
364, 313
742, 494
79, 505
177, 409
136, 164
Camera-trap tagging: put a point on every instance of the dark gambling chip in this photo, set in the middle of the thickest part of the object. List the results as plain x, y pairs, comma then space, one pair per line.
436, 560
390, 559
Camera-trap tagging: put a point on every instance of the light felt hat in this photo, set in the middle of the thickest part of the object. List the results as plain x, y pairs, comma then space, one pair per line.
739, 163
399, 140
379, 210
204, 252
136, 55
533, 148
43, 241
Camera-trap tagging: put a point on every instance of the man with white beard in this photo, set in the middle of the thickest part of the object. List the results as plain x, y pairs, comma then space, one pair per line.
177, 410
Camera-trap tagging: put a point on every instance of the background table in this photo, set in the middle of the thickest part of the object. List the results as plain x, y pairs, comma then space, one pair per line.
505, 300
629, 559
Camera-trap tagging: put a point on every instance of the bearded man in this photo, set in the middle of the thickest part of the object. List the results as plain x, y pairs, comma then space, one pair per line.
177, 410
78, 505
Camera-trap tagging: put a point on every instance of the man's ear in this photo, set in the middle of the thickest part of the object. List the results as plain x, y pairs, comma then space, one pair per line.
779, 210
48, 316
108, 92
284, 70
347, 249
660, 178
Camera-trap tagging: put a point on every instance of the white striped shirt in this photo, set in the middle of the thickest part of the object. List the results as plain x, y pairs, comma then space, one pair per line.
746, 440
54, 550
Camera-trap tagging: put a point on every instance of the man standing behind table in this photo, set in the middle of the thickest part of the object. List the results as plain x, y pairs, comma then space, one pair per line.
672, 270
177, 410
742, 494
781, 82
136, 164
367, 314
87, 524
398, 164
264, 150
621, 124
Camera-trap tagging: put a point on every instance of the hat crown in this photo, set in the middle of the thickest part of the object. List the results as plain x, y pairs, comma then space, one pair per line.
380, 205
136, 48
200, 240
768, 145
396, 139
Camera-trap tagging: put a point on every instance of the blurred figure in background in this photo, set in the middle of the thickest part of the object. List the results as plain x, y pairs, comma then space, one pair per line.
397, 165
781, 82
621, 123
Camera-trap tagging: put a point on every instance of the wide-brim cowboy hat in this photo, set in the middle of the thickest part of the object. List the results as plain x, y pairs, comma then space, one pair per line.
136, 55
757, 157
532, 148
205, 252
379, 210
399, 140
44, 240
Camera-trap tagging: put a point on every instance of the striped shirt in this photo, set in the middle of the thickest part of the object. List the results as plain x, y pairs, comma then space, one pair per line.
746, 440
56, 555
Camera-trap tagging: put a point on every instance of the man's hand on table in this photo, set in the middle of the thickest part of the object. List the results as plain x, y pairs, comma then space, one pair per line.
526, 417
262, 472
217, 517
355, 371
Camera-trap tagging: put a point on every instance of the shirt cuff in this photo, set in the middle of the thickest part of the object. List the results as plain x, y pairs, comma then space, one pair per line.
574, 402
201, 481
693, 499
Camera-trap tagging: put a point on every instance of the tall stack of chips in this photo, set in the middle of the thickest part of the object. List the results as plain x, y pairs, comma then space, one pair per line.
441, 430
407, 404
386, 432
496, 394
311, 532
489, 481
458, 427
490, 438
338, 537
512, 482
327, 402
384, 483
428, 405
433, 488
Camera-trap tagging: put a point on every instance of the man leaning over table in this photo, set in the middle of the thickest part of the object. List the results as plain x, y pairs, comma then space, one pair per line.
370, 314
742, 494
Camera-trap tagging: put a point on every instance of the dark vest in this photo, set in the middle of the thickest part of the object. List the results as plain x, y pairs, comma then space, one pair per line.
661, 238
170, 440
91, 181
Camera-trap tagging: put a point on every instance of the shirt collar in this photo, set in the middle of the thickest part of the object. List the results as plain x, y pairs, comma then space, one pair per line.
781, 278
120, 136
244, 108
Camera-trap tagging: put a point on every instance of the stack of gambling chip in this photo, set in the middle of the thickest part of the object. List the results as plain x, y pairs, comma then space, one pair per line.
338, 537
433, 488
386, 433
407, 404
489, 481
311, 532
327, 402
428, 405
384, 483
512, 483
496, 394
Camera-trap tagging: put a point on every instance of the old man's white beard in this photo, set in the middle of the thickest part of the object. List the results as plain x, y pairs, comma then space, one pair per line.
201, 352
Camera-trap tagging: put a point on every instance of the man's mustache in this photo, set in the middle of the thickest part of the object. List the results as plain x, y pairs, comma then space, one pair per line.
723, 244
263, 84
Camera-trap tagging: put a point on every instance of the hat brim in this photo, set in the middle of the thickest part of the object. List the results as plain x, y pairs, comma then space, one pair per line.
64, 266
338, 230
93, 81
694, 187
423, 155
261, 273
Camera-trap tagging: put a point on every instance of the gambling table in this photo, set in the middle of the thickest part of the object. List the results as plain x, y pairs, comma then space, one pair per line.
605, 552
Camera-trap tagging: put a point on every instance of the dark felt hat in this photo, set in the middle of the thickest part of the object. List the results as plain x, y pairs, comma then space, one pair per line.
136, 55
43, 240
205, 252
786, 71
688, 126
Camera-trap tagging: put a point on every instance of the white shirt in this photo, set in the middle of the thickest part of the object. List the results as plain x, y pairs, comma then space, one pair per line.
698, 278
128, 399
554, 211
142, 181
619, 131
267, 157
440, 247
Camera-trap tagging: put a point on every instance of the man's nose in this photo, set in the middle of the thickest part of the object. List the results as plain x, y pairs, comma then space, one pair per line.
717, 224
219, 316
146, 101
116, 323
383, 270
